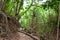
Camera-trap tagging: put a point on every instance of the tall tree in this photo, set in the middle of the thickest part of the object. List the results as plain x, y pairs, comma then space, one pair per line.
58, 23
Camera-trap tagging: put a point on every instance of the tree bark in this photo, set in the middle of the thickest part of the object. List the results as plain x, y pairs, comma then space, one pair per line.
58, 24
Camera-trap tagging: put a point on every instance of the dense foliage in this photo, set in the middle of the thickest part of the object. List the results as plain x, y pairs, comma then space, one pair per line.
33, 16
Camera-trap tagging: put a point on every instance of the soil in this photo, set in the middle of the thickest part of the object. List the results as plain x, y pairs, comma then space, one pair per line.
17, 36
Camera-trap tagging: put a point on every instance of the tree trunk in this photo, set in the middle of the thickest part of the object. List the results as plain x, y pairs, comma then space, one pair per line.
58, 24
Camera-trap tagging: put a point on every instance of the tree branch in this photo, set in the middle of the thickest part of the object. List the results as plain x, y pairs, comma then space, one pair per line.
26, 10
32, 36
18, 7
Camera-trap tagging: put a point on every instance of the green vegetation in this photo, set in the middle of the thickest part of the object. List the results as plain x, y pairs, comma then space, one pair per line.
33, 16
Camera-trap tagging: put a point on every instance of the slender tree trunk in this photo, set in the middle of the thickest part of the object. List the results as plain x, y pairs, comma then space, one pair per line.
2, 4
58, 24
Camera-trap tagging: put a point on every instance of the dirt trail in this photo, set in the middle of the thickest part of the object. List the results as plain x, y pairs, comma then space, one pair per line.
17, 36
